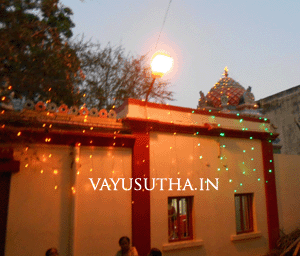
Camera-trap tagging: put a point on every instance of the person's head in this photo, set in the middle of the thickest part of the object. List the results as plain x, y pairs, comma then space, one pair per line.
155, 252
124, 242
52, 252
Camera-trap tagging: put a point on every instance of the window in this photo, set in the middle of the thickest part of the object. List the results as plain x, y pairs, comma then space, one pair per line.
180, 218
244, 213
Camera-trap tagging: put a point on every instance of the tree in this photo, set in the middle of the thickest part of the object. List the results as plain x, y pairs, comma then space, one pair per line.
35, 57
112, 76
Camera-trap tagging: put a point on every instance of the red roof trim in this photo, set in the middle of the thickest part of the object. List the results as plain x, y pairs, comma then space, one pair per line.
209, 130
188, 110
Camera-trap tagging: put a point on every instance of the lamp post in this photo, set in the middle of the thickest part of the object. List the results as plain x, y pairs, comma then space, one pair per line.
161, 63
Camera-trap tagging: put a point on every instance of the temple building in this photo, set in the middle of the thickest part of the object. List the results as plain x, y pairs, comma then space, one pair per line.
200, 181
229, 96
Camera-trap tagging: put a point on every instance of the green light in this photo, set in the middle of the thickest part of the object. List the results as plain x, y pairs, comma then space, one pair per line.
271, 161
234, 191
251, 138
221, 157
230, 180
252, 148
271, 134
222, 134
266, 129
243, 162
244, 151
244, 172
198, 144
241, 120
193, 111
209, 110
246, 129
205, 181
266, 181
270, 141
238, 114
226, 169
258, 179
254, 170
243, 129
265, 119
252, 159
213, 117
224, 146
241, 184
197, 132
219, 125
219, 169
200, 157
260, 118
270, 170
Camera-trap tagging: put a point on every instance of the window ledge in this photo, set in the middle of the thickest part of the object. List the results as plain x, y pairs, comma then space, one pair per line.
246, 236
181, 245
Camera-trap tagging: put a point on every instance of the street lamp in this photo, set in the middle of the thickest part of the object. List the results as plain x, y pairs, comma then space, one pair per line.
161, 63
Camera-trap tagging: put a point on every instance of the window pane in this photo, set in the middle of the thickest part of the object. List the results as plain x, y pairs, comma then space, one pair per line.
244, 212
172, 218
238, 214
179, 218
184, 218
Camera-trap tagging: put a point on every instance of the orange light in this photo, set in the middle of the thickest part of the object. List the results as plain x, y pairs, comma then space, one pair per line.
161, 63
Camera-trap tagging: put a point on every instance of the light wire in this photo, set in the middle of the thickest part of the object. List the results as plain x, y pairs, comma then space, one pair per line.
163, 23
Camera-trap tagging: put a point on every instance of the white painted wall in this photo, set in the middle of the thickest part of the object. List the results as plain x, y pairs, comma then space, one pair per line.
287, 173
173, 156
38, 213
102, 217
40, 216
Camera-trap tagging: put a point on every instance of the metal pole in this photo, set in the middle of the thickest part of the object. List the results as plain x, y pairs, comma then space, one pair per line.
150, 89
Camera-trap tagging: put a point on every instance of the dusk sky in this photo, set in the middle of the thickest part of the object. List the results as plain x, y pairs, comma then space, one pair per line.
258, 40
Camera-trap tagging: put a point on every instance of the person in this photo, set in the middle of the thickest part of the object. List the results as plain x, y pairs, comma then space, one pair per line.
126, 249
52, 252
155, 252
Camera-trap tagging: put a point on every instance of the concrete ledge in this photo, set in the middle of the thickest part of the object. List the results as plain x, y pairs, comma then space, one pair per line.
246, 236
181, 245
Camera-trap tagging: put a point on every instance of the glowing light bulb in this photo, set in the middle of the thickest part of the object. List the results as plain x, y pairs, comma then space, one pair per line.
161, 64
